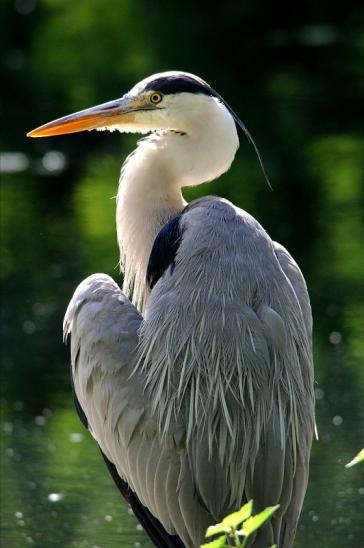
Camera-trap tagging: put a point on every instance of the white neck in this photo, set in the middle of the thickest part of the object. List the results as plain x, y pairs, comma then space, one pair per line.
151, 180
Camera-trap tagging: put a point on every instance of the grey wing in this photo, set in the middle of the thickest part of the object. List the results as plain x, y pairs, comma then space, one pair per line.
294, 274
150, 469
299, 484
247, 354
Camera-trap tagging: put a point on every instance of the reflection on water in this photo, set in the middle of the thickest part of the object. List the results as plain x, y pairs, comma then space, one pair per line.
58, 490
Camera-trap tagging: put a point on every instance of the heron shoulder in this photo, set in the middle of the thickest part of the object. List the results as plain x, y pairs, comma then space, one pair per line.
168, 239
209, 225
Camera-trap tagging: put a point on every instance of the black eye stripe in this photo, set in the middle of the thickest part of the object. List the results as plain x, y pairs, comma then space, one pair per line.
178, 84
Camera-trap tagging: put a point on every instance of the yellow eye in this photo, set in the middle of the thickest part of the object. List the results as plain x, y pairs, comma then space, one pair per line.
156, 98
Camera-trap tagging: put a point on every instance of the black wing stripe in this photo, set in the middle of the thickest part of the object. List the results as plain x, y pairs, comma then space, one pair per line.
151, 525
164, 250
80, 411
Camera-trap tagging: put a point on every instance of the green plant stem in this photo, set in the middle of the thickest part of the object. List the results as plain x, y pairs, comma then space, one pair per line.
236, 537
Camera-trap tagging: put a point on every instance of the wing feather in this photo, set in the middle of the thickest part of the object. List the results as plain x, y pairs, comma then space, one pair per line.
159, 480
294, 274
242, 378
150, 477
104, 335
141, 466
171, 494
196, 522
112, 401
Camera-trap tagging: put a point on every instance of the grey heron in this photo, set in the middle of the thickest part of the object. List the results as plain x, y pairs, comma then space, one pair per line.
198, 390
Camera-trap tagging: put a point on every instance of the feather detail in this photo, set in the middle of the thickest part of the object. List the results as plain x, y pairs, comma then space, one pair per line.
241, 344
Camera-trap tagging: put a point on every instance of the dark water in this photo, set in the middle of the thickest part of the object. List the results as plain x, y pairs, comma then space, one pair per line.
296, 78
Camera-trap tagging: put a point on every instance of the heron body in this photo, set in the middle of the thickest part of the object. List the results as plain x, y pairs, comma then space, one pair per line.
199, 391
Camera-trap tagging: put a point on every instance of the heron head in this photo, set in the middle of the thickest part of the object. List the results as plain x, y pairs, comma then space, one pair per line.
174, 100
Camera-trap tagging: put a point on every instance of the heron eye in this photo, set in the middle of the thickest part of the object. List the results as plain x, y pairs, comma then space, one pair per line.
156, 98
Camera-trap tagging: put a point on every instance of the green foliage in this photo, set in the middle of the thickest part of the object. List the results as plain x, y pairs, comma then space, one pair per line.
218, 543
231, 521
253, 523
359, 458
237, 527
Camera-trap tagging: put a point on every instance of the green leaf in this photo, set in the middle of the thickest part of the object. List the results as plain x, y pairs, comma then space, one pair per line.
359, 458
236, 518
218, 528
218, 543
231, 521
254, 522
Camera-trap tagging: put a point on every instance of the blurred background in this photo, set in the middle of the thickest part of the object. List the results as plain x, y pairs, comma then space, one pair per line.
294, 73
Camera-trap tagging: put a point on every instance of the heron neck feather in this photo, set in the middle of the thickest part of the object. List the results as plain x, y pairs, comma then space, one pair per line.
148, 197
151, 180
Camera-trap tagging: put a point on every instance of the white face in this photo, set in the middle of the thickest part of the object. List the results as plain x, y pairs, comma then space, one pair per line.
183, 112
179, 110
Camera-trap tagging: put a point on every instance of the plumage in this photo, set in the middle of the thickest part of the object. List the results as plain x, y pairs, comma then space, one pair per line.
164, 251
200, 393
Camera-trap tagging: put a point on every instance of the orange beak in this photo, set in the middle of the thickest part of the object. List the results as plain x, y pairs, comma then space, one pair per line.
121, 111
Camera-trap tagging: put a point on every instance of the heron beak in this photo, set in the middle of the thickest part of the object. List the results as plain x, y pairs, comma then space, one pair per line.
119, 112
